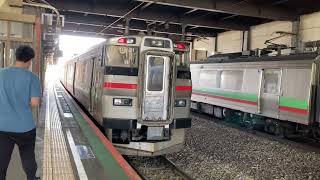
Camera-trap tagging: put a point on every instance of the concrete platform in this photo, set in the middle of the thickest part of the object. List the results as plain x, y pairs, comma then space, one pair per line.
69, 146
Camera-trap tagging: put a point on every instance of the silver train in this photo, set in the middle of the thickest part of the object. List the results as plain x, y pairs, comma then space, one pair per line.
280, 94
136, 90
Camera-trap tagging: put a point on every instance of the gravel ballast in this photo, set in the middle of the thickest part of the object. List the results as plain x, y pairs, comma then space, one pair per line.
215, 150
155, 168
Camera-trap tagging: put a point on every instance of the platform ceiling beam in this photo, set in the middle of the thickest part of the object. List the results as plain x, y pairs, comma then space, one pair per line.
279, 2
85, 30
229, 17
134, 27
118, 10
190, 11
90, 29
226, 6
146, 5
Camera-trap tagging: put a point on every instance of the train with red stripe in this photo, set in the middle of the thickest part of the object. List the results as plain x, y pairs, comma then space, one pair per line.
137, 89
277, 93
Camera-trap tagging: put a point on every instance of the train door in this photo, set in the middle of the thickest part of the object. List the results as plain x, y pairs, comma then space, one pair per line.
96, 90
156, 93
270, 92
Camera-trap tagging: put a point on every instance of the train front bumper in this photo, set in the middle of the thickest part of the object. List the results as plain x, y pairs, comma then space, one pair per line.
175, 144
114, 123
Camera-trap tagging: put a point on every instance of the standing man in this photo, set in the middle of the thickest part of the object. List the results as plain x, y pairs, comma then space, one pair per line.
19, 91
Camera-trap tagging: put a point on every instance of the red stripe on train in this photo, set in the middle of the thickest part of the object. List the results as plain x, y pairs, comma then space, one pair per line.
281, 108
294, 110
108, 85
228, 99
183, 88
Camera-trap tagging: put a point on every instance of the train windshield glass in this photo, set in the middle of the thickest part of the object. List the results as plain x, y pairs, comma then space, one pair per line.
155, 73
182, 59
122, 56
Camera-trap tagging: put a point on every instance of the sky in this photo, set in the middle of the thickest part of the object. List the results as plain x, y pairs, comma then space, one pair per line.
72, 45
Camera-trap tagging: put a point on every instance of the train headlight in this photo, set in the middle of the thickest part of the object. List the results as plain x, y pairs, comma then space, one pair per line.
127, 41
180, 103
122, 102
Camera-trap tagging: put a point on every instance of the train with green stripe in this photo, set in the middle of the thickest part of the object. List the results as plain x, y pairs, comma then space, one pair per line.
280, 94
137, 89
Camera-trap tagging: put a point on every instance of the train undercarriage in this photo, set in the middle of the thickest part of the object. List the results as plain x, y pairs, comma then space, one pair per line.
280, 128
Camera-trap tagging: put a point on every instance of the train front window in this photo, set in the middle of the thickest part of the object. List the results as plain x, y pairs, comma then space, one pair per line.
122, 56
182, 59
155, 73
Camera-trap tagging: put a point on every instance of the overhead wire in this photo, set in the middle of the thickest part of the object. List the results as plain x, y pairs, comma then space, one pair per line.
123, 16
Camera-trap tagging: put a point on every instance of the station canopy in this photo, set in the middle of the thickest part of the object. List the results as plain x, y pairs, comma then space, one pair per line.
174, 18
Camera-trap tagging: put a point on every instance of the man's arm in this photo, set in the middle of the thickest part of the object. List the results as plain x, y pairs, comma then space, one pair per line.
35, 92
35, 101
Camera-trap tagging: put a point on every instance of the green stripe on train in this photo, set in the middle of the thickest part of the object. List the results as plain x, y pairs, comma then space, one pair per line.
294, 103
228, 94
284, 101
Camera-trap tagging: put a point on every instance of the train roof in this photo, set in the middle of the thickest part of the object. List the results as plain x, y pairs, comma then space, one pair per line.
114, 41
234, 58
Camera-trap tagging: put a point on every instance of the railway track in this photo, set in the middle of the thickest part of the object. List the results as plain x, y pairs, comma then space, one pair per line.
150, 168
301, 141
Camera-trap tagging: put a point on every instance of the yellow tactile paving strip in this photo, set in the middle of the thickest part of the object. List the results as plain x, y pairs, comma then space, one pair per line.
56, 161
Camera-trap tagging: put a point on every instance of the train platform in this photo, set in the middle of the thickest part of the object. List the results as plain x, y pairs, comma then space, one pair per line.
69, 146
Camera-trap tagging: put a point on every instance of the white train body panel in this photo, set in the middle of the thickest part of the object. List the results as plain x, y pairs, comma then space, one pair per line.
275, 89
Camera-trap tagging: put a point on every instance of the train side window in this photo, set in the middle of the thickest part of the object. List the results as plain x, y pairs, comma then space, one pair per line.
122, 56
231, 79
209, 79
271, 81
78, 73
70, 74
78, 69
82, 73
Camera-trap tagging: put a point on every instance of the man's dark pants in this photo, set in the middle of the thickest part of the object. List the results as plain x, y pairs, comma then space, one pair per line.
26, 144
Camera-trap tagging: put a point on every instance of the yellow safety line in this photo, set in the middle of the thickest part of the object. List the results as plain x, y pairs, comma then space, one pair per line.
56, 161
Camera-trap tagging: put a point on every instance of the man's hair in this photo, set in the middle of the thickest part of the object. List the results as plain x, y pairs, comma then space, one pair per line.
24, 53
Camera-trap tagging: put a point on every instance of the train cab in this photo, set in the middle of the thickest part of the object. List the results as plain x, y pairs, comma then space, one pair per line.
138, 90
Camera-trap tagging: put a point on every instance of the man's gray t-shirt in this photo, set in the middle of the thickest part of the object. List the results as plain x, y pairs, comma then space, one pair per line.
17, 86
